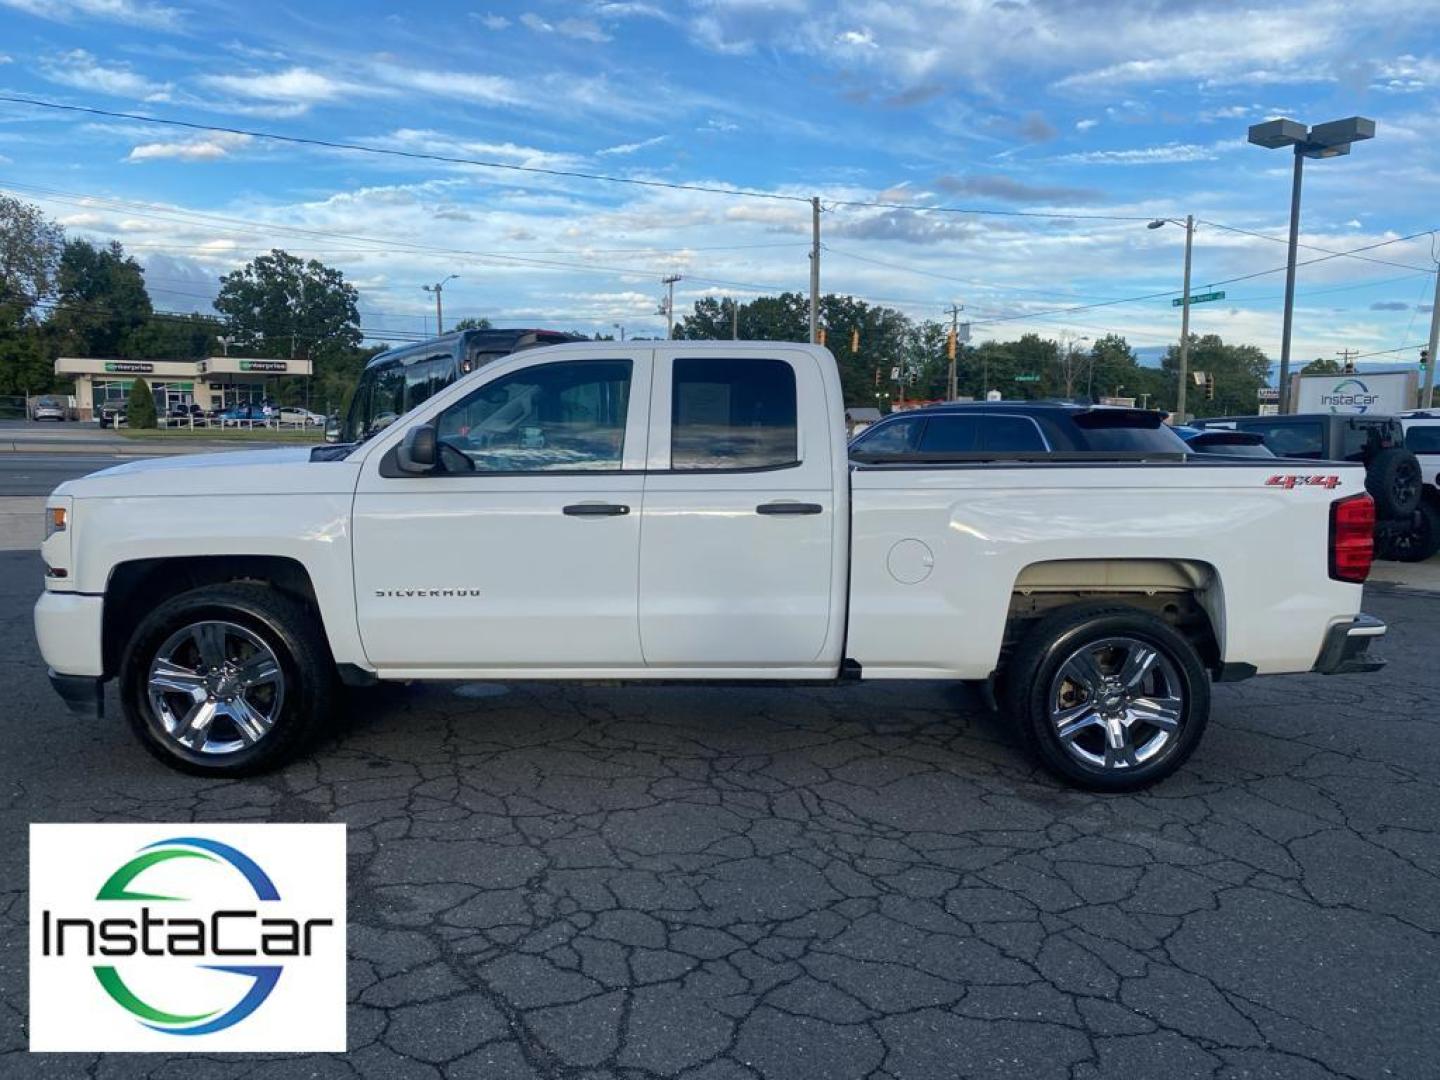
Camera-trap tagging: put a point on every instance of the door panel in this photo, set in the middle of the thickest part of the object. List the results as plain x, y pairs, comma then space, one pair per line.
510, 569
725, 579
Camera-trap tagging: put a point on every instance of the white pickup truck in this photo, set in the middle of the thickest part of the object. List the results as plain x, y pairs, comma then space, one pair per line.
689, 510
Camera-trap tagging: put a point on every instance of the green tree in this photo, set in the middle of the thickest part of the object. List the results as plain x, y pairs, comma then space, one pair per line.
30, 246
472, 323
283, 307
140, 406
1239, 372
1322, 366
175, 337
100, 300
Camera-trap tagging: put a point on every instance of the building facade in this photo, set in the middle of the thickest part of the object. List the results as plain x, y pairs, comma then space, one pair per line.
217, 382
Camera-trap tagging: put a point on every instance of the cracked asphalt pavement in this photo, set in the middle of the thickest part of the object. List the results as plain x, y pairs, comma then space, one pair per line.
829, 882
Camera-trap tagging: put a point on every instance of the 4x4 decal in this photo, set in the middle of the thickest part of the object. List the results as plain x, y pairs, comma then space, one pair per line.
1290, 482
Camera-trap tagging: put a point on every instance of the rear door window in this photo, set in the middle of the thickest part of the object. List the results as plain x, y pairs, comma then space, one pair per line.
1302, 439
951, 435
728, 413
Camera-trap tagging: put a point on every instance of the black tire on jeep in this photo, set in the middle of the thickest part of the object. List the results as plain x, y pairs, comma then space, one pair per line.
1420, 542
1394, 481
227, 680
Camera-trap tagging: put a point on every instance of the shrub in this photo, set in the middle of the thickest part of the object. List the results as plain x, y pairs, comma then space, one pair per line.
140, 410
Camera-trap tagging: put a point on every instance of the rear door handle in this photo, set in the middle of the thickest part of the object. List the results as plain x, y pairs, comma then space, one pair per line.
597, 509
789, 508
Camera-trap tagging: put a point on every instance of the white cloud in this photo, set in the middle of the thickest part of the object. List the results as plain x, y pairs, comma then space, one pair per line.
208, 148
491, 21
720, 124
152, 16
6, 59
582, 29
426, 141
296, 85
461, 85
860, 39
83, 71
630, 148
1085, 125
1167, 154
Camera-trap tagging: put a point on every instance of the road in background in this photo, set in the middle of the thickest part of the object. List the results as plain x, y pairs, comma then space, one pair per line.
41, 473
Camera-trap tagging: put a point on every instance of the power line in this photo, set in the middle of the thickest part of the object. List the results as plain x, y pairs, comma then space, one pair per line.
576, 174
1315, 247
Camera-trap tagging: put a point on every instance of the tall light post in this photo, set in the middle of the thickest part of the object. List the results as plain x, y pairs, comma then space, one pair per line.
1321, 141
437, 289
1189, 225
621, 328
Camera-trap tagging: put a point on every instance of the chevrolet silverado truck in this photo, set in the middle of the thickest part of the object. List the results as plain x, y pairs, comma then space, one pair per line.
689, 510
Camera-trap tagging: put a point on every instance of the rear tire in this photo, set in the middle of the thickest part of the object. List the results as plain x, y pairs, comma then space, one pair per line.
1419, 543
1109, 698
1394, 480
227, 680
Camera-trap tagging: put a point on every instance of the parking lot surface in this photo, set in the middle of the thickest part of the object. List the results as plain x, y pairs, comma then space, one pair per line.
830, 882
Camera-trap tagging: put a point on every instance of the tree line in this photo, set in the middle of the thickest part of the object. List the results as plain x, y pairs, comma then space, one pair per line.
68, 296
884, 355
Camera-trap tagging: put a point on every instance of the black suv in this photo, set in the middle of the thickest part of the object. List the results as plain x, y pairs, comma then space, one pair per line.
1392, 473
1015, 430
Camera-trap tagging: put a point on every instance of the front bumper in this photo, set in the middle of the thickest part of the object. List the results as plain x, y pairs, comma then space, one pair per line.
1347, 645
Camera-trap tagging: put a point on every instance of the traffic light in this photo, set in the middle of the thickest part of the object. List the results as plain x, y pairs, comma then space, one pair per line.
1209, 387
855, 341
950, 345
1424, 358
820, 334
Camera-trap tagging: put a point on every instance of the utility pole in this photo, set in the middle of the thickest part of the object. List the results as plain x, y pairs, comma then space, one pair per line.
621, 328
734, 319
1428, 397
815, 270
437, 289
954, 343
669, 283
1185, 322
1347, 365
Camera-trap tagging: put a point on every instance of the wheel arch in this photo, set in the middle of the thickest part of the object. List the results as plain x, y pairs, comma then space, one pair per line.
137, 586
1186, 593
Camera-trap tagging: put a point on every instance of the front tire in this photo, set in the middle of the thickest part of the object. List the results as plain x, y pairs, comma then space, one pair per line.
1109, 698
227, 680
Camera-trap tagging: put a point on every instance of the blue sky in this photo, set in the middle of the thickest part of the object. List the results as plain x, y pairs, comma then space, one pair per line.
1124, 108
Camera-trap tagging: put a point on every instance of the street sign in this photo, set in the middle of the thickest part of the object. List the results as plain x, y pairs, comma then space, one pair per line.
1199, 298
1027, 378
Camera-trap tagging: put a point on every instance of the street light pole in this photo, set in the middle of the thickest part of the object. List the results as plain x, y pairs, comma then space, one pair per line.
1332, 139
437, 289
1289, 321
669, 283
1185, 321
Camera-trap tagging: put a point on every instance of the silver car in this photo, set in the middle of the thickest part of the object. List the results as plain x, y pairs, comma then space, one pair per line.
49, 408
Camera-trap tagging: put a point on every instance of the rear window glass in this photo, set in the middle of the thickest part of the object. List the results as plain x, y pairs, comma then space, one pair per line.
1423, 440
1011, 434
1303, 439
728, 413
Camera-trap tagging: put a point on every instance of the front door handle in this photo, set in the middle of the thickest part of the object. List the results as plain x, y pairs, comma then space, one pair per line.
789, 508
597, 509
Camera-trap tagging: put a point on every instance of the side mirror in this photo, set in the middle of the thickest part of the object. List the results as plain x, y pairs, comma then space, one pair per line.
332, 429
417, 452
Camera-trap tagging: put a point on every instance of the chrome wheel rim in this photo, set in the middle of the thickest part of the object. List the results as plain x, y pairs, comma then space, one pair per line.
215, 688
1117, 703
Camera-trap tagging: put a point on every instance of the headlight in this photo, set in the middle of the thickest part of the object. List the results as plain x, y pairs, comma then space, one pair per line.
56, 518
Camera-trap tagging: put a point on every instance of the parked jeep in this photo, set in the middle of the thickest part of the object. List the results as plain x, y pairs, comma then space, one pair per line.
1407, 525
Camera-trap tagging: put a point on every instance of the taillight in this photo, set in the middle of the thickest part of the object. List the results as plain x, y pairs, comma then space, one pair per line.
1352, 538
